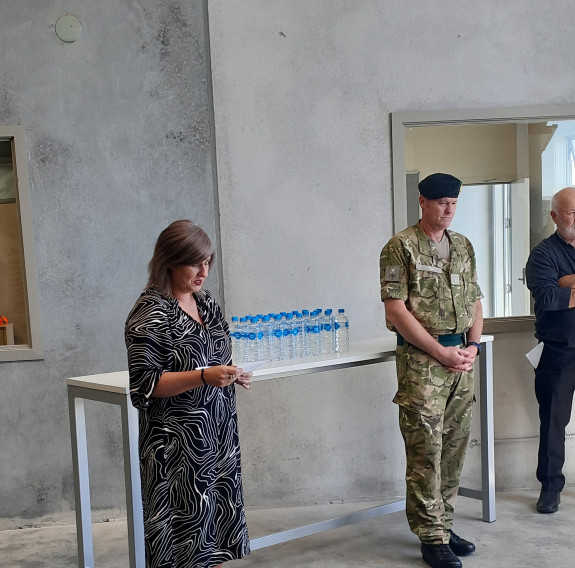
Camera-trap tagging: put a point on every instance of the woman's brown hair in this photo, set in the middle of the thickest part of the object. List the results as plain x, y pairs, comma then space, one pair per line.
180, 244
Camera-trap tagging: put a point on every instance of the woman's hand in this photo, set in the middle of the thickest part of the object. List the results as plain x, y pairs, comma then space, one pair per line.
221, 375
244, 379
225, 375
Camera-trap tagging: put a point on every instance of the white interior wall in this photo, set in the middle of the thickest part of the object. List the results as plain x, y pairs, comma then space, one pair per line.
473, 153
303, 93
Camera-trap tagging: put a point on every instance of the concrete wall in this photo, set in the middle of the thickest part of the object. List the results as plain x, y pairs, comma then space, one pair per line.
303, 93
119, 145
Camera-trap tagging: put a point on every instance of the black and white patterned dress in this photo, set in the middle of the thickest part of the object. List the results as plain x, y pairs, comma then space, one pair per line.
189, 444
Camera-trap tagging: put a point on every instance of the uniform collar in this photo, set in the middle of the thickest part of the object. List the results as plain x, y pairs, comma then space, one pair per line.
425, 247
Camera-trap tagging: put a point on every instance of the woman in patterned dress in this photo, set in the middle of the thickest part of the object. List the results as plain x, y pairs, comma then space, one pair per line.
182, 383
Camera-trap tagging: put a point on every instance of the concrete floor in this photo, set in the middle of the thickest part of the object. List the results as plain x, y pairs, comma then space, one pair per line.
520, 538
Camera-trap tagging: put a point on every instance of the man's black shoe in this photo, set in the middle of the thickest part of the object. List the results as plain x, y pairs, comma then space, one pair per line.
548, 501
460, 546
439, 556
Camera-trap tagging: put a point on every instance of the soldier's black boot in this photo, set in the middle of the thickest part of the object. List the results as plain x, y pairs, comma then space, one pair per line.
460, 546
439, 556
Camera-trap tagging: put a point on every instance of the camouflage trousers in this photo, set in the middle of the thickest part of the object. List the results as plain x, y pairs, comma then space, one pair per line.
435, 419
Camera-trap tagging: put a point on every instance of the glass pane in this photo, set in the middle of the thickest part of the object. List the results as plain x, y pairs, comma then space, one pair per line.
13, 302
510, 172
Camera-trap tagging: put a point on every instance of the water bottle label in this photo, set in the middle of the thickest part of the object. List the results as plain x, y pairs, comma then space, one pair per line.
336, 326
251, 335
286, 332
260, 335
295, 331
327, 327
278, 333
237, 335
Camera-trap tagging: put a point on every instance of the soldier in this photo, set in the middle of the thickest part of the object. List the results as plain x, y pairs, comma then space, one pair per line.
433, 302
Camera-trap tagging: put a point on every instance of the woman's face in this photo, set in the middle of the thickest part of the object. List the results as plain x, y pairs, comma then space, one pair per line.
189, 279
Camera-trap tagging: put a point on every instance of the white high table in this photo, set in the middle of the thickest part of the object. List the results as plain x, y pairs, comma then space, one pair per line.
113, 388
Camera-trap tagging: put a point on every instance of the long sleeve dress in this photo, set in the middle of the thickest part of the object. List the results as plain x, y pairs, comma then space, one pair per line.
188, 444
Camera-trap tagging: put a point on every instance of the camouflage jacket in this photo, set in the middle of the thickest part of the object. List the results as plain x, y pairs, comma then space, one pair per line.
441, 294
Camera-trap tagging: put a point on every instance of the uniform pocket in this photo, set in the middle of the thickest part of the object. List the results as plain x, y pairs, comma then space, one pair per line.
423, 383
427, 295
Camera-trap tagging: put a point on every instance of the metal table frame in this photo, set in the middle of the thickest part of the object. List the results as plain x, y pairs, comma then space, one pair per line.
112, 388
129, 416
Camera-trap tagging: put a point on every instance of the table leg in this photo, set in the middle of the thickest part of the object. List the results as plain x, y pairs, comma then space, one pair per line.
133, 485
81, 480
487, 432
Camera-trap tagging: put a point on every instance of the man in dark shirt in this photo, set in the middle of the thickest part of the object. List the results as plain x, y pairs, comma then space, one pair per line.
550, 275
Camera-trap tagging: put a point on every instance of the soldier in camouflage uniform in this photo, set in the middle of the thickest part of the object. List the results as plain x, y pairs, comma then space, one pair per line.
432, 301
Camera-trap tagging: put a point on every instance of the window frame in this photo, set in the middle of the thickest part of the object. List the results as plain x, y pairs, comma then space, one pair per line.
403, 120
570, 159
33, 350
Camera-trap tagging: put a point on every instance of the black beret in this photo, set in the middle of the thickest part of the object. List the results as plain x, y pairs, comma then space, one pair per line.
437, 186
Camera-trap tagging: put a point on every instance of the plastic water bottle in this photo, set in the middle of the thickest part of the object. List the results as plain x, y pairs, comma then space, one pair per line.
253, 340
259, 337
313, 333
288, 336
341, 332
305, 324
249, 341
326, 332
267, 339
279, 346
237, 345
242, 339
233, 325
298, 336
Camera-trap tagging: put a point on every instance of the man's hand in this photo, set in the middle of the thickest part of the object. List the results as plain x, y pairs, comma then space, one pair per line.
457, 359
568, 281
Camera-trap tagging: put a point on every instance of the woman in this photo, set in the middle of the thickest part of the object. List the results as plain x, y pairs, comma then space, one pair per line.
182, 383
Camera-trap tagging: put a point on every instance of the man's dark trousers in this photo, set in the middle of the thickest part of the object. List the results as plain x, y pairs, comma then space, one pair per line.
554, 388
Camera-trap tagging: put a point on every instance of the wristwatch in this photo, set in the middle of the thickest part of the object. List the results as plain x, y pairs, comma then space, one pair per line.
475, 344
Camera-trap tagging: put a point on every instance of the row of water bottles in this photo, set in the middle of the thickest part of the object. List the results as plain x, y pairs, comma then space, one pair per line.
289, 335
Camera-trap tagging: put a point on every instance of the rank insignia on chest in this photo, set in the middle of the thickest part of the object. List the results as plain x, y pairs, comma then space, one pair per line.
392, 273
